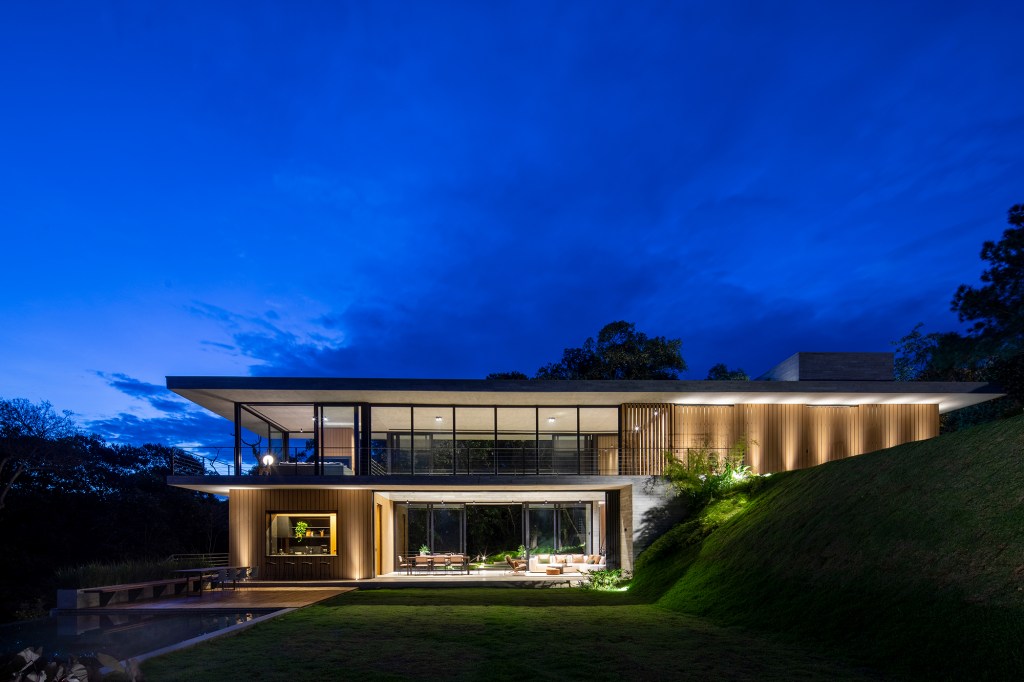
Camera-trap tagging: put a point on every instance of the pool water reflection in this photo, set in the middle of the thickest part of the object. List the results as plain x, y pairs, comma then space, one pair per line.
122, 635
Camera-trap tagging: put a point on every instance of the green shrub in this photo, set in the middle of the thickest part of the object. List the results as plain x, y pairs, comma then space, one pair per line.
605, 579
703, 474
97, 574
499, 557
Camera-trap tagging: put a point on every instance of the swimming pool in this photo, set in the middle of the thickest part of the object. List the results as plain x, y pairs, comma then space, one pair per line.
121, 635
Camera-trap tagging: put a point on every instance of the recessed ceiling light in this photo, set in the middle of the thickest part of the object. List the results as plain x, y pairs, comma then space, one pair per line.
439, 419
551, 420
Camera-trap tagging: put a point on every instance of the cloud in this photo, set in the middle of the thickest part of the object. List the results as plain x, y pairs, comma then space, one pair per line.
194, 428
157, 396
180, 422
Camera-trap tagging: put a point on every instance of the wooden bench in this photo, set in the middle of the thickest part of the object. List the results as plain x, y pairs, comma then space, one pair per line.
152, 589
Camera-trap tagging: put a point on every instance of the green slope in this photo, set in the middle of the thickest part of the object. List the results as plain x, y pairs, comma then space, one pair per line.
909, 559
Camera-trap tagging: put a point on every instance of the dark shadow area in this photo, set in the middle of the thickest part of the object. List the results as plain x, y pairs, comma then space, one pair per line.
493, 528
660, 518
481, 596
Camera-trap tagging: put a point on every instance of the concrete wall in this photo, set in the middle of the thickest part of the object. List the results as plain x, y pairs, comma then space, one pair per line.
833, 367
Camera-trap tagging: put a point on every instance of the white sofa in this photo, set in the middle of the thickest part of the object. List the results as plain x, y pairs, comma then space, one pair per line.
570, 563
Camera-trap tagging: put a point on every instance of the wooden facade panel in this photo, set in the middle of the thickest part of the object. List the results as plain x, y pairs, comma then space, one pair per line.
384, 537
248, 509
607, 455
786, 437
646, 436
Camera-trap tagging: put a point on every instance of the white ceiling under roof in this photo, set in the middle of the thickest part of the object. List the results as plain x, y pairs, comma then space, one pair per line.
218, 394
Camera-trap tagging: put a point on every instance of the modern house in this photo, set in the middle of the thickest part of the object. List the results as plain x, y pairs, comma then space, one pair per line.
335, 478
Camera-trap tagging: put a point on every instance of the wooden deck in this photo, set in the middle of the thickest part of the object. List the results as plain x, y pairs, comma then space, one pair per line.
288, 595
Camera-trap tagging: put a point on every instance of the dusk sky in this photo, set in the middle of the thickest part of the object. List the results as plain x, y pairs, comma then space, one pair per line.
446, 190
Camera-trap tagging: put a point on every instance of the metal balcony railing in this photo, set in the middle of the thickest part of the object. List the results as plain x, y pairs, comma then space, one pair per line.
438, 461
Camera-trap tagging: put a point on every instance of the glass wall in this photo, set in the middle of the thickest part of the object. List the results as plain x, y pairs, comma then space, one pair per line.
391, 441
561, 527
516, 447
286, 432
599, 441
474, 453
324, 439
573, 528
432, 442
437, 527
557, 440
338, 427
449, 524
541, 529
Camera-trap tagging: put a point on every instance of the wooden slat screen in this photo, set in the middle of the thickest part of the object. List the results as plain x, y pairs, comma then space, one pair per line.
646, 435
786, 437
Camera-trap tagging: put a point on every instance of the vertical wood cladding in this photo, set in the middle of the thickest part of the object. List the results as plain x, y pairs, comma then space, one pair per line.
386, 534
646, 435
248, 508
339, 442
607, 455
785, 437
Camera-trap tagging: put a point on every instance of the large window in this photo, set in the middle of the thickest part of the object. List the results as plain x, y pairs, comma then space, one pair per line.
562, 527
475, 440
312, 439
302, 533
432, 444
517, 440
338, 431
441, 528
558, 451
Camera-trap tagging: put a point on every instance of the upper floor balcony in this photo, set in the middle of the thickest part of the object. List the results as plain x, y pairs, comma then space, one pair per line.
441, 460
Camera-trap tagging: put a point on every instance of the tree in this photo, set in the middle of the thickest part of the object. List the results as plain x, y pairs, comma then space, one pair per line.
722, 373
514, 376
620, 352
938, 356
30, 436
993, 347
996, 309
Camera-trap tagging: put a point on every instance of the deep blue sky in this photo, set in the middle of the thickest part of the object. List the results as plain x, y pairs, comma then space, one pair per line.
432, 190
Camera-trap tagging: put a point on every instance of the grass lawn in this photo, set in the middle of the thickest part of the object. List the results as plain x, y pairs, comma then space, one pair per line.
492, 634
911, 560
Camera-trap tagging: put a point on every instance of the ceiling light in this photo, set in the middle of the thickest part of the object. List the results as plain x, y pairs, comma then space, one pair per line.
439, 419
551, 420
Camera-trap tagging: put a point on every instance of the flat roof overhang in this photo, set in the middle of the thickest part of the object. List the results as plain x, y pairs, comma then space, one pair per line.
219, 394
403, 488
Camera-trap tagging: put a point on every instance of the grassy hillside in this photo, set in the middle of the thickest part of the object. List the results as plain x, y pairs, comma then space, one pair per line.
909, 559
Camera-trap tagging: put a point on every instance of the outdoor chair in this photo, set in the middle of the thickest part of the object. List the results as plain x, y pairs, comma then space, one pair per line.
425, 562
222, 577
251, 573
458, 562
517, 565
404, 563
